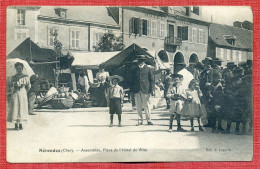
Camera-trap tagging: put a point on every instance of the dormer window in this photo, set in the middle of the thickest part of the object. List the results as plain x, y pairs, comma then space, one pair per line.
61, 12
230, 39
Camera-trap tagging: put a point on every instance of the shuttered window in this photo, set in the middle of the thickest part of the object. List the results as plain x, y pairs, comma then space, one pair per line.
183, 32
74, 42
154, 28
134, 27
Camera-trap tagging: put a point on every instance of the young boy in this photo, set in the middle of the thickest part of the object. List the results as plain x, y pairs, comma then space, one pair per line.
115, 95
177, 95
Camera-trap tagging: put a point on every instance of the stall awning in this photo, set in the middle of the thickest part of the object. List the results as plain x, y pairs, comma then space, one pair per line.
127, 56
90, 60
32, 53
159, 63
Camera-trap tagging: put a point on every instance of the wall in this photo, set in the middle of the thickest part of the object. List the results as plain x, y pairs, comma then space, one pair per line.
13, 28
231, 55
63, 34
190, 46
149, 42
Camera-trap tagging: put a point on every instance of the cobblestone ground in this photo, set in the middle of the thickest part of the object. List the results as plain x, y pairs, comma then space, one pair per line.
83, 135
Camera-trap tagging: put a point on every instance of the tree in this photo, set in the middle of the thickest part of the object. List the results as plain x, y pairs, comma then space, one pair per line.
57, 48
109, 42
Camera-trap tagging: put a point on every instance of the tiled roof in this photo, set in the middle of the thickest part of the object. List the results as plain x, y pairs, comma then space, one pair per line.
95, 14
220, 33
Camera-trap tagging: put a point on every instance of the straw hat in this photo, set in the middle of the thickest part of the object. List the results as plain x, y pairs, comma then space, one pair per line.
110, 78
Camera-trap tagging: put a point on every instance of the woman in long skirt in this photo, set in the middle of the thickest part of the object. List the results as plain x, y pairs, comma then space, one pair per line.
20, 86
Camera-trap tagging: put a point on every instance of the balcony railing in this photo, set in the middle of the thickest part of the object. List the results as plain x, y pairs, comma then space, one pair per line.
174, 41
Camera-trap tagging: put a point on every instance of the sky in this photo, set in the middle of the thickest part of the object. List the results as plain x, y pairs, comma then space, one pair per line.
227, 14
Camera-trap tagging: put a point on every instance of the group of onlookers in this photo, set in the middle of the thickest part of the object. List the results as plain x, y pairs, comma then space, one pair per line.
224, 94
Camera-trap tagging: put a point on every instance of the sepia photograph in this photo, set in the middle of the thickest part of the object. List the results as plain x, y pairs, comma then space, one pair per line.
129, 84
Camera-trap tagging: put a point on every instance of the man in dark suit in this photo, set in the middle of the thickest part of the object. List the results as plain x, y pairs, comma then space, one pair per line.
142, 86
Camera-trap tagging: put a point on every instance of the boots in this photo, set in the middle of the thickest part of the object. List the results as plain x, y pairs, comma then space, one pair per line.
119, 121
16, 127
171, 121
179, 124
20, 126
192, 126
111, 120
237, 128
227, 131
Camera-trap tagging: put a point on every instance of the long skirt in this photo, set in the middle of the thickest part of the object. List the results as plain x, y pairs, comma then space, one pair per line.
191, 109
19, 111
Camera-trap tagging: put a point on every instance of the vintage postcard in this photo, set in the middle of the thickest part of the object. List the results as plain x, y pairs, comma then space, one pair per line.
129, 83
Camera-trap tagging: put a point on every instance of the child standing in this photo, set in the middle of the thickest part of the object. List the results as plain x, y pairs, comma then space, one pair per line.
115, 95
192, 105
177, 94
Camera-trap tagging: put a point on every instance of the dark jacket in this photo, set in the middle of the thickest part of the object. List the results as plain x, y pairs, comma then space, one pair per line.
143, 80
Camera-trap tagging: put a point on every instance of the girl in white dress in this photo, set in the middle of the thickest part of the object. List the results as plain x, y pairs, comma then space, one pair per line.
192, 105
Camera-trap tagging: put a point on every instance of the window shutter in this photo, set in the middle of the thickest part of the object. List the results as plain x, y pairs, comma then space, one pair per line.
70, 34
137, 26
185, 33
148, 27
140, 26
158, 29
48, 36
198, 36
190, 34
131, 25
179, 32
205, 37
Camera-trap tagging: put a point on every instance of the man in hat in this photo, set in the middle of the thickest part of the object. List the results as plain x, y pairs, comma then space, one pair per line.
142, 86
115, 95
167, 82
205, 86
177, 94
227, 75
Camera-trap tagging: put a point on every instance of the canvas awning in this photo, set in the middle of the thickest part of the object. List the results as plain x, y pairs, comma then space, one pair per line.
159, 63
127, 56
32, 53
90, 60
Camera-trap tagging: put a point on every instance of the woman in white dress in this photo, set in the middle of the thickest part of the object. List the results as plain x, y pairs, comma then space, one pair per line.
20, 86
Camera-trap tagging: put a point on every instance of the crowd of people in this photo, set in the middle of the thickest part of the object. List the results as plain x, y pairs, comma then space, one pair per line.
224, 94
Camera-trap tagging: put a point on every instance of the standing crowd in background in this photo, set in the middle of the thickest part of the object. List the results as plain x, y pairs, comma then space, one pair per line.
223, 94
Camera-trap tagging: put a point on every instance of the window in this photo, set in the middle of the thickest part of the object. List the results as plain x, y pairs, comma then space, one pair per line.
239, 56
134, 25
20, 17
144, 27
201, 36
97, 38
154, 28
163, 30
196, 10
230, 39
63, 14
52, 33
229, 55
183, 32
74, 39
221, 55
194, 35
21, 34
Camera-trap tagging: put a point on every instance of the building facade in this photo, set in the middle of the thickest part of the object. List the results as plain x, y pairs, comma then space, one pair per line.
77, 32
230, 44
176, 34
